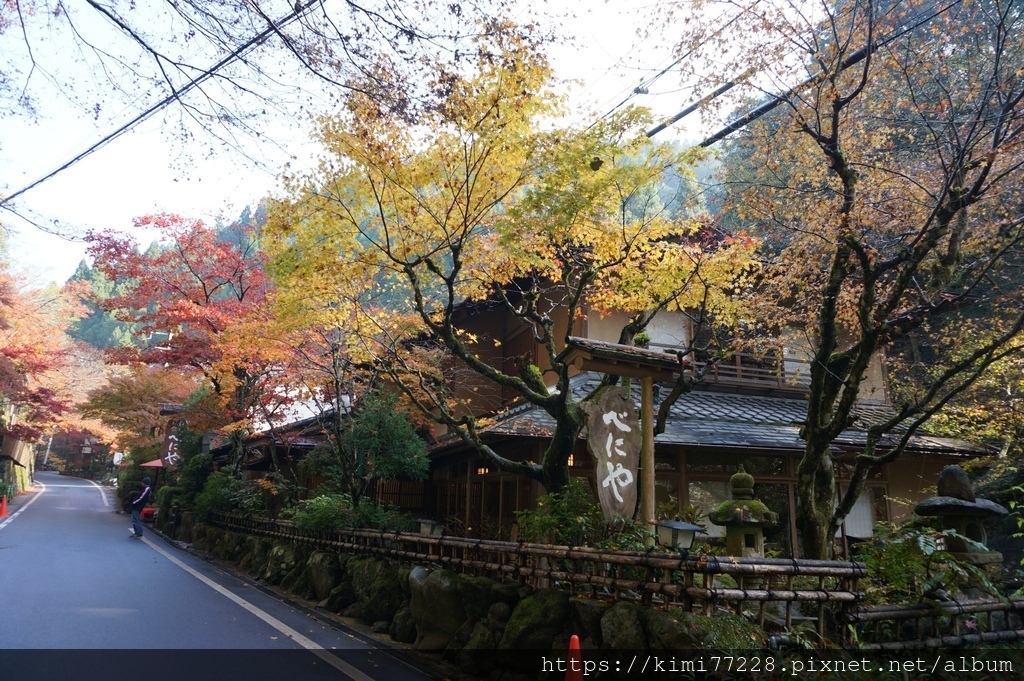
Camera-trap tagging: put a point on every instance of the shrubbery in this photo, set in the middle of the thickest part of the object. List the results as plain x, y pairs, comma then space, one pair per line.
573, 517
330, 511
906, 564
217, 495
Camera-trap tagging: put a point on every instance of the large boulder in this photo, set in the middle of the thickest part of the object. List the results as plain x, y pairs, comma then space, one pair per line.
282, 560
378, 593
437, 607
403, 625
622, 628
538, 622
185, 530
296, 581
202, 538
221, 543
674, 630
476, 655
341, 596
256, 555
586, 615
323, 573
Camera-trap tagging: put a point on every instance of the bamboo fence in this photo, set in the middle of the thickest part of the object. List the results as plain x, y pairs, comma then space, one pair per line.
941, 624
778, 592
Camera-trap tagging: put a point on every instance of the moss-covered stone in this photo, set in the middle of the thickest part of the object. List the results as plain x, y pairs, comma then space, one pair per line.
256, 557
282, 559
622, 629
476, 594
323, 572
378, 593
508, 592
341, 597
679, 630
185, 530
296, 581
586, 617
224, 545
403, 625
476, 655
202, 538
437, 606
403, 580
536, 621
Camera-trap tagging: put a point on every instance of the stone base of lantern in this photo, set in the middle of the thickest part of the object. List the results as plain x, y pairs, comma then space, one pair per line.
978, 557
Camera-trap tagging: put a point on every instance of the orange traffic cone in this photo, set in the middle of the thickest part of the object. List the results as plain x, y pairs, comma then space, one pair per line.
3, 506
574, 670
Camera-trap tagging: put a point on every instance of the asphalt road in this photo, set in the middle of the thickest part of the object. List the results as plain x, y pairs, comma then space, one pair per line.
82, 600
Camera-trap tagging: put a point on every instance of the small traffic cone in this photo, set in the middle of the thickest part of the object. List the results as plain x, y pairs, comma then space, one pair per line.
574, 670
3, 506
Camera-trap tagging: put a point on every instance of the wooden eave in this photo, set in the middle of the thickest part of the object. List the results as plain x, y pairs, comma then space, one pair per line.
619, 360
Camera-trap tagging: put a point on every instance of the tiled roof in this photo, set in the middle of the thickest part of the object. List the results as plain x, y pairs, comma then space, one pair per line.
715, 419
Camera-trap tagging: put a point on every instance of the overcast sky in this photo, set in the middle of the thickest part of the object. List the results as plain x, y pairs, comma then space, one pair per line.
149, 170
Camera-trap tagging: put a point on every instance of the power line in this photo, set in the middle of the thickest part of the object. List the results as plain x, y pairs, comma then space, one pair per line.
177, 94
775, 101
643, 85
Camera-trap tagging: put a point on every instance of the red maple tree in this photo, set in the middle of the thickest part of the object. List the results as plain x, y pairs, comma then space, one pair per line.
183, 292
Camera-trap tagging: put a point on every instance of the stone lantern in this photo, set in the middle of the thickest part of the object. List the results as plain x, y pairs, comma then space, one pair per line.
957, 509
744, 518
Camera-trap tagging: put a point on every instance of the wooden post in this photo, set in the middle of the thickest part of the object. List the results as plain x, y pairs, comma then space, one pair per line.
647, 454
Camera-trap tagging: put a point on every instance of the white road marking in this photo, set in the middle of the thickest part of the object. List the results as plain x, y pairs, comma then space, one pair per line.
21, 510
103, 493
302, 640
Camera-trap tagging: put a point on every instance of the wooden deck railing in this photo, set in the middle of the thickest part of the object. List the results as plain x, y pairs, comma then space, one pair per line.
747, 370
783, 591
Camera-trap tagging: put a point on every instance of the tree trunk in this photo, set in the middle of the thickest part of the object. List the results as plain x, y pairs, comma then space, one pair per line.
555, 463
816, 500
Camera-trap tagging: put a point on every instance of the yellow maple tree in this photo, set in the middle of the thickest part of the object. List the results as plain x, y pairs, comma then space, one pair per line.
486, 201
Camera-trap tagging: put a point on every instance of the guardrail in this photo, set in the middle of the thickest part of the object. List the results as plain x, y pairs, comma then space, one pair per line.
780, 591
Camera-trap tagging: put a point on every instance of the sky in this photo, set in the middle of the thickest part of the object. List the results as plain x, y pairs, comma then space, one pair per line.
152, 170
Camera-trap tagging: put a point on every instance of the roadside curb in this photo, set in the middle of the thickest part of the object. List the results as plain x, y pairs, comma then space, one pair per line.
19, 500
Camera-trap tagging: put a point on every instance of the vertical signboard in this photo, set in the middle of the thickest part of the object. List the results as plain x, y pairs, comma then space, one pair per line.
170, 455
614, 439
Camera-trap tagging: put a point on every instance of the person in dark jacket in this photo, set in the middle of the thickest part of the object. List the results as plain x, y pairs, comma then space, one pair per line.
138, 503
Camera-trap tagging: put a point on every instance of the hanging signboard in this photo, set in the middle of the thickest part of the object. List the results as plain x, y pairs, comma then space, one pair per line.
170, 454
614, 439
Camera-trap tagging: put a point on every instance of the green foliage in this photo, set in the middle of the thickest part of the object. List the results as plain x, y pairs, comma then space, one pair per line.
99, 328
323, 513
378, 442
264, 497
217, 495
192, 477
324, 461
573, 517
330, 511
688, 514
906, 564
166, 497
383, 442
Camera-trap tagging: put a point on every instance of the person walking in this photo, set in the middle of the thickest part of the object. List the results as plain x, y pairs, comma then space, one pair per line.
137, 505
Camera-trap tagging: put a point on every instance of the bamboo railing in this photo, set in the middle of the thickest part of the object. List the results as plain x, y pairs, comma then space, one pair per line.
937, 625
784, 592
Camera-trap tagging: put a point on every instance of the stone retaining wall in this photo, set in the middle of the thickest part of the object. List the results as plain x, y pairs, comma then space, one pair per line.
486, 628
